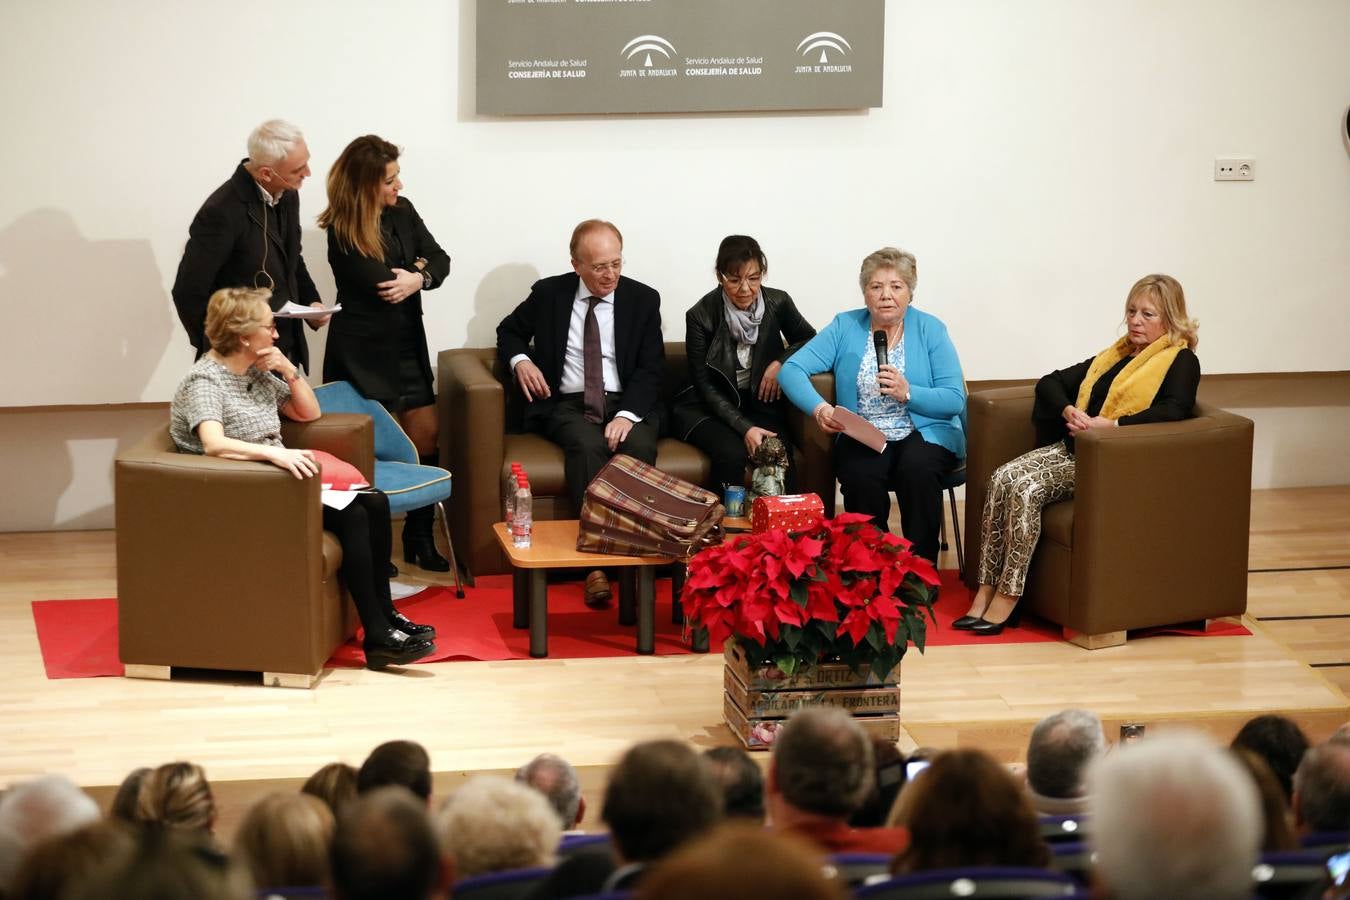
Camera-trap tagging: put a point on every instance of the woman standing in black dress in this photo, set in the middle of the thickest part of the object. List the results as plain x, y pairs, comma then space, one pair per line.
383, 257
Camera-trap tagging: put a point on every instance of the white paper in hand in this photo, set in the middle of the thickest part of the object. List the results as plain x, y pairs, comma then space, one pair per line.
296, 311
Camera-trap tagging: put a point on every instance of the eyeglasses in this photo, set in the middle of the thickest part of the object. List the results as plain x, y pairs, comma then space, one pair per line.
613, 265
735, 281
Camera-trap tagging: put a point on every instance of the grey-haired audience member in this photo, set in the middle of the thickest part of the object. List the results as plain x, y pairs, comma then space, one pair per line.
1173, 816
34, 811
491, 824
384, 847
1322, 789
1061, 747
741, 780
556, 779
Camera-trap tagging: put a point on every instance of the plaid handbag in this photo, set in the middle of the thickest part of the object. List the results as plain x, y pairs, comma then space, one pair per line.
635, 509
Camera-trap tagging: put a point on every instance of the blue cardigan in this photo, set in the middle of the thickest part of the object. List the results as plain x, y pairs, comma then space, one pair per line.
937, 390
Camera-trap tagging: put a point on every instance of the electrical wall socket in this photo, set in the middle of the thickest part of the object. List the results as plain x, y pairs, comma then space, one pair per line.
1234, 170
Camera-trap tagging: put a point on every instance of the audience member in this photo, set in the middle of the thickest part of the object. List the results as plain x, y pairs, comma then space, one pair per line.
1061, 747
819, 774
404, 763
741, 780
177, 795
1322, 790
738, 860
35, 811
1173, 816
966, 809
165, 863
123, 805
555, 778
334, 784
1277, 819
1341, 735
660, 795
62, 865
384, 849
586, 352
284, 840
888, 777
1280, 742
491, 824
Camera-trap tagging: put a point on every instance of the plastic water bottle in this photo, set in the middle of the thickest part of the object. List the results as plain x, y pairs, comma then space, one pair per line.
509, 492
522, 519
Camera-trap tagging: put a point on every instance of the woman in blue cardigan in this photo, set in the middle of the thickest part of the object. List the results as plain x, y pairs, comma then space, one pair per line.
916, 399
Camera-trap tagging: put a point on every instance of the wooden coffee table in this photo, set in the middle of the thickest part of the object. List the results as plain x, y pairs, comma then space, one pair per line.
553, 545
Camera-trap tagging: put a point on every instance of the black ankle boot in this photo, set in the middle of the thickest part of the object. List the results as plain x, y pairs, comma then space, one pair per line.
395, 648
419, 546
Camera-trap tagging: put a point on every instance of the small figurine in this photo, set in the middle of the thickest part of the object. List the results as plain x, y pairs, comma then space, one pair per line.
769, 476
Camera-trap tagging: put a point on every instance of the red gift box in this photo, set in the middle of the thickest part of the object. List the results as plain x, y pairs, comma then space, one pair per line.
794, 512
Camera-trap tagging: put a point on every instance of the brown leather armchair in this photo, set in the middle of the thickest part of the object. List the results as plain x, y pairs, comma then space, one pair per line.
481, 435
1156, 533
223, 564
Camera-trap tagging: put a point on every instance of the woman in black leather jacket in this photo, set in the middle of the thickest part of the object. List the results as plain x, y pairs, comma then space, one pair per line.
737, 338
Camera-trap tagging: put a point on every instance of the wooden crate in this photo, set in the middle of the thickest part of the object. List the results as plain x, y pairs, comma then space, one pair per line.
757, 702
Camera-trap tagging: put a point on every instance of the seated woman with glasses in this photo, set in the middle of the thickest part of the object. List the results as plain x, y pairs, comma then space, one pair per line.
230, 405
894, 366
737, 338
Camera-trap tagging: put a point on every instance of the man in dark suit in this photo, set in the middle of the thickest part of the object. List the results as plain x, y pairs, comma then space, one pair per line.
592, 410
247, 234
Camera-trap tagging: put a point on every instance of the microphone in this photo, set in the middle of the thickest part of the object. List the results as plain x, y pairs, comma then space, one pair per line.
879, 342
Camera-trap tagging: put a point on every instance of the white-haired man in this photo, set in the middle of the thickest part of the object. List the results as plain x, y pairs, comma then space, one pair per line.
247, 234
1173, 816
556, 779
34, 811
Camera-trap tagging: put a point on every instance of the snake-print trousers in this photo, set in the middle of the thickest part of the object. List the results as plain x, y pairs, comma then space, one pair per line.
1011, 524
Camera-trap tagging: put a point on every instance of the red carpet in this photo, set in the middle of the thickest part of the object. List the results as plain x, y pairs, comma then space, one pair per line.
78, 638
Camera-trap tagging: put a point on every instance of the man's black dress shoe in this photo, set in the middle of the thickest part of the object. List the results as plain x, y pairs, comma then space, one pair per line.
395, 648
408, 626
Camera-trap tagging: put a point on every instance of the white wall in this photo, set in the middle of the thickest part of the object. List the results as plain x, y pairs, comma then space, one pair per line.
1037, 156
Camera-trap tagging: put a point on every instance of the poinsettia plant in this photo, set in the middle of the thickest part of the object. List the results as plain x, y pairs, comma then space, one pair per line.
843, 591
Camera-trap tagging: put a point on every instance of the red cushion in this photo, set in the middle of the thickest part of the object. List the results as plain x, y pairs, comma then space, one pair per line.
337, 474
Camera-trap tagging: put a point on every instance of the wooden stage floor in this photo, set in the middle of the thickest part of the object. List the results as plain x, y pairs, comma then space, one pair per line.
476, 717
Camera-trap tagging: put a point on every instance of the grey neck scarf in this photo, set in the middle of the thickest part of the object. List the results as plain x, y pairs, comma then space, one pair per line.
744, 323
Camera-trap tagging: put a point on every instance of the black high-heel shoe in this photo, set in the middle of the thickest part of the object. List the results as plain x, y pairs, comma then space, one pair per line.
421, 552
395, 648
965, 623
404, 624
989, 629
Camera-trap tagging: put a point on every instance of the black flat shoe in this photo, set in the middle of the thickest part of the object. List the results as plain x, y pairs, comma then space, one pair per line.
393, 571
989, 629
422, 553
395, 648
411, 628
965, 623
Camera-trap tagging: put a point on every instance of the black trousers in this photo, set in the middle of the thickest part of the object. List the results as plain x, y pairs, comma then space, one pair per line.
726, 447
913, 468
583, 443
367, 541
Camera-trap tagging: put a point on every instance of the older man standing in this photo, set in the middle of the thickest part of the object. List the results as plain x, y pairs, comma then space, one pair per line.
247, 234
592, 376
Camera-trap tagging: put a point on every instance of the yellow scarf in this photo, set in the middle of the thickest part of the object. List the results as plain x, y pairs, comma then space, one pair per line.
1137, 384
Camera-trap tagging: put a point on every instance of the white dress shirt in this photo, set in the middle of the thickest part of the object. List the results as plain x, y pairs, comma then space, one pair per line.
573, 379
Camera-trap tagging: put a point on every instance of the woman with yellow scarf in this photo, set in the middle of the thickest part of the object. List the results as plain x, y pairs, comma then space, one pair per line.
1149, 375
